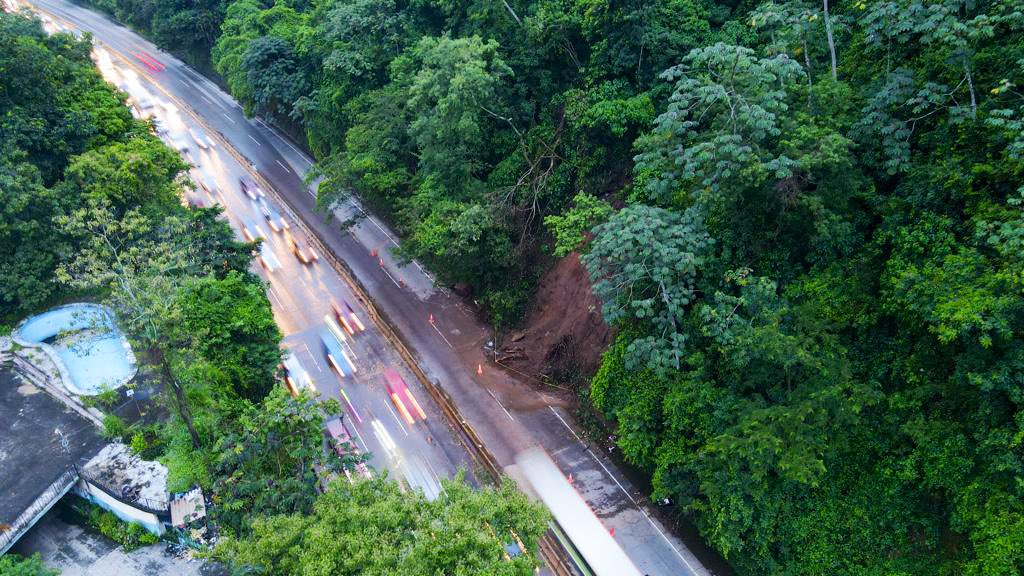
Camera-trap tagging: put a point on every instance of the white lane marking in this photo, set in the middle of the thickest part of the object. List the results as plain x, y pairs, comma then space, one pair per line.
502, 405
311, 193
254, 140
392, 278
303, 280
312, 357
437, 478
285, 141
279, 303
566, 424
669, 542
392, 410
282, 166
230, 119
375, 223
628, 495
360, 436
434, 326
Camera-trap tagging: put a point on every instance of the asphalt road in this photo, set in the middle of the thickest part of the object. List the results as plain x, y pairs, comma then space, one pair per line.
441, 330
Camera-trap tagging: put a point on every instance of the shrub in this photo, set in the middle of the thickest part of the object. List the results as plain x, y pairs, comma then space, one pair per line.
113, 427
130, 536
14, 565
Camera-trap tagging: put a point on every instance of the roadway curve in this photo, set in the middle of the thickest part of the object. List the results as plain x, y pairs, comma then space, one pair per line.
442, 332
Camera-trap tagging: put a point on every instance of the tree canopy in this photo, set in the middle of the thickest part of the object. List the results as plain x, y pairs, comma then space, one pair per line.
804, 222
372, 528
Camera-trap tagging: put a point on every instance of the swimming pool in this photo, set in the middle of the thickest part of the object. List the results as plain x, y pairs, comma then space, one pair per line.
86, 345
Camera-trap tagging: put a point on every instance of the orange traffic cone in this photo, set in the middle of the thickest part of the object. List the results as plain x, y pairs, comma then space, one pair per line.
612, 530
373, 252
431, 319
479, 369
381, 262
570, 477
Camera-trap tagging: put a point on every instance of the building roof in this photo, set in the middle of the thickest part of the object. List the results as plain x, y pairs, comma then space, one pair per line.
31, 455
117, 468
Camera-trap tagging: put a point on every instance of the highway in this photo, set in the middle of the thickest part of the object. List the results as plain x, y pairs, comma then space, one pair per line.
442, 332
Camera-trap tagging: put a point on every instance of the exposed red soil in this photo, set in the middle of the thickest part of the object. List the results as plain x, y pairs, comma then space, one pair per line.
564, 334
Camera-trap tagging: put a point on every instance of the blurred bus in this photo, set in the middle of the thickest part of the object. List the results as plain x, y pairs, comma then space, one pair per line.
588, 542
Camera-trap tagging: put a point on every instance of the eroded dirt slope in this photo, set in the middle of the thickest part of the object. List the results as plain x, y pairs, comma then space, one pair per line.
563, 335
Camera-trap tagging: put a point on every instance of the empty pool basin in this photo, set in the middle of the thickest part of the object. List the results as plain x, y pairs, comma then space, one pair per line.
86, 345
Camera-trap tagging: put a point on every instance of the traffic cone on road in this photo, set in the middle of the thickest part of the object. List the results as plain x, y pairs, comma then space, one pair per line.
431, 319
479, 369
373, 252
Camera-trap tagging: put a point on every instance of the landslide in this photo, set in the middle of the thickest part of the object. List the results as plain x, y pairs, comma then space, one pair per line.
563, 334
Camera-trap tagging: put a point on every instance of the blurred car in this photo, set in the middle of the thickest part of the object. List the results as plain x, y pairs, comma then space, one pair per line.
268, 259
158, 126
341, 441
209, 186
202, 140
178, 143
252, 232
334, 352
399, 393
304, 253
296, 378
347, 316
266, 255
250, 188
274, 219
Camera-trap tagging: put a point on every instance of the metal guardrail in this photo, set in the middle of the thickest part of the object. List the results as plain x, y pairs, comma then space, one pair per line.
40, 506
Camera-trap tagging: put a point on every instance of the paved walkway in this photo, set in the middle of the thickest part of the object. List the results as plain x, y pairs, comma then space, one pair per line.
78, 552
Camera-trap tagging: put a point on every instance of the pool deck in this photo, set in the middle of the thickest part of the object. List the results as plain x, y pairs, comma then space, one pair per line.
31, 456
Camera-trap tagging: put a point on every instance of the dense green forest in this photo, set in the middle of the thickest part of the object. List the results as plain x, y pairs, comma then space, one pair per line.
806, 223
91, 203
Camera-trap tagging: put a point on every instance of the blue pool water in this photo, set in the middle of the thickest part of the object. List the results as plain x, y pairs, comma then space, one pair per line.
87, 342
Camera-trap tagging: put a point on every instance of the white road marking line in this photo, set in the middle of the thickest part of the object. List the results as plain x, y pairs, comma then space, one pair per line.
279, 303
312, 357
282, 166
437, 478
502, 405
392, 410
230, 119
392, 278
566, 424
375, 223
303, 280
350, 349
445, 339
628, 495
254, 140
311, 193
360, 436
669, 542
286, 143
